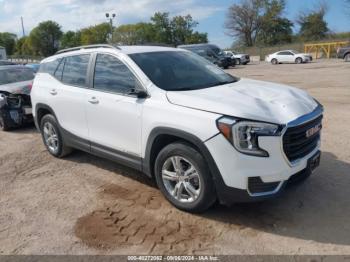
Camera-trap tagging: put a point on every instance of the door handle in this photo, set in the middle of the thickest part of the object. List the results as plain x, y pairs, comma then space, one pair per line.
93, 100
53, 92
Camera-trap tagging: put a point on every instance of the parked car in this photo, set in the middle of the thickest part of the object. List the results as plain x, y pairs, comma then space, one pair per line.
288, 56
344, 53
6, 63
15, 104
201, 133
34, 67
240, 59
212, 53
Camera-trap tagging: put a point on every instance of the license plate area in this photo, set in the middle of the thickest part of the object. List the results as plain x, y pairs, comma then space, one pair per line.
314, 161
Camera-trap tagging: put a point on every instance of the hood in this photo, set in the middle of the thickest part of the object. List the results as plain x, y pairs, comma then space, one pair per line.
249, 99
20, 88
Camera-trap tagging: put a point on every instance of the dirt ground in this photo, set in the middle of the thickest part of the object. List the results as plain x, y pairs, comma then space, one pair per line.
86, 205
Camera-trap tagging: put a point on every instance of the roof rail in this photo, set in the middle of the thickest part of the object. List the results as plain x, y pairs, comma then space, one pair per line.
86, 47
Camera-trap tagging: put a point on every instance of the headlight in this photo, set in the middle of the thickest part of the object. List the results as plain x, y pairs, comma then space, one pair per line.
244, 134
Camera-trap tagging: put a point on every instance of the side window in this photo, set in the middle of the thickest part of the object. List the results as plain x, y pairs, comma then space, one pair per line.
59, 70
49, 67
112, 75
75, 70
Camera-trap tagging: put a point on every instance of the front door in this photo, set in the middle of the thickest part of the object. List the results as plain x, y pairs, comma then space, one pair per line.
113, 114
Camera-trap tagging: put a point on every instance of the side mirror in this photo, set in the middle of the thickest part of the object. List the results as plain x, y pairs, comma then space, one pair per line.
138, 91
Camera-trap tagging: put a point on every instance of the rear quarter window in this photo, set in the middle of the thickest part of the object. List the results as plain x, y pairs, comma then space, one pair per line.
75, 70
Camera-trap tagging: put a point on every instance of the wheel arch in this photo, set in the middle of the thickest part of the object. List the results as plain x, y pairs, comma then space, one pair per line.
40, 111
163, 136
346, 53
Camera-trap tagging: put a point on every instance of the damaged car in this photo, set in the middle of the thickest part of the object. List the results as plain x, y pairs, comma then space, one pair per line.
15, 105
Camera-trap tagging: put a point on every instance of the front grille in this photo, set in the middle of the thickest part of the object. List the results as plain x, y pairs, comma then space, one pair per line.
295, 142
256, 185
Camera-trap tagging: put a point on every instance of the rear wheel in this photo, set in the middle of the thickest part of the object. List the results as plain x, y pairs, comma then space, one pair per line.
274, 61
183, 177
298, 60
347, 58
52, 137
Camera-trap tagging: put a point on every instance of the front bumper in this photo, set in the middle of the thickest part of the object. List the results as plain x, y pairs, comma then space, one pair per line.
248, 178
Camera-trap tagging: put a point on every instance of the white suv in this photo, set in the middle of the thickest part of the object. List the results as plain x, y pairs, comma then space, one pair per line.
203, 134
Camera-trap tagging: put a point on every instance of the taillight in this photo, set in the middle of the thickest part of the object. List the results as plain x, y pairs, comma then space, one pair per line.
30, 86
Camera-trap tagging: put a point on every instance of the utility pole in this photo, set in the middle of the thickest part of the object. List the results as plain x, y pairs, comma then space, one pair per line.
22, 27
111, 17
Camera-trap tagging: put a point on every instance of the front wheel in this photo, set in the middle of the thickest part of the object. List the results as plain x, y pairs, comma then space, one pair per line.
347, 58
298, 60
183, 177
274, 61
238, 61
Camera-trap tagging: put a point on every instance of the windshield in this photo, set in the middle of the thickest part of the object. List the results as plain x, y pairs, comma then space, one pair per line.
217, 50
180, 70
13, 75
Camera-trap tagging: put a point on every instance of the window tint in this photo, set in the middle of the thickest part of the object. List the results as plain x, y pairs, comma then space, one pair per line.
284, 53
180, 70
112, 75
75, 69
49, 67
59, 70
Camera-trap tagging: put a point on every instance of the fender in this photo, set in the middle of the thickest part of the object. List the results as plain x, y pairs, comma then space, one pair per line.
183, 135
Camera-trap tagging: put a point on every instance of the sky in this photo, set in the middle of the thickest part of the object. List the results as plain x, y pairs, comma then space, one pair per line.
211, 14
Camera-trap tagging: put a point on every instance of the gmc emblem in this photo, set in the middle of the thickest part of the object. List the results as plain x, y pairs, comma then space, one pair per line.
313, 130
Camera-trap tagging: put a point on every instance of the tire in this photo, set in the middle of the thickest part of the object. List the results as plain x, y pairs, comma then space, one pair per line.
274, 61
238, 61
201, 182
3, 124
299, 60
226, 67
49, 129
347, 58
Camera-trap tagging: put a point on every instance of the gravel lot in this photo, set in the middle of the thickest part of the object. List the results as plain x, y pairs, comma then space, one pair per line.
87, 205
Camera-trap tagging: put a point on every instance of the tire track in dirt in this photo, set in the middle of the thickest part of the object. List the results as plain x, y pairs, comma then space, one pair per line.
141, 217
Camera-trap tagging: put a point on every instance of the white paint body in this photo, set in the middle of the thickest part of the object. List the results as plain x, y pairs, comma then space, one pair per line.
124, 123
289, 56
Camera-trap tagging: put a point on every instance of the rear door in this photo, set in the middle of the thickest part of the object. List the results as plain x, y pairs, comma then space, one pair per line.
113, 114
285, 57
68, 94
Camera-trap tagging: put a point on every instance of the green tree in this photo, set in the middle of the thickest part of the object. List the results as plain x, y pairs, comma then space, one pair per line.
70, 39
97, 34
23, 46
274, 28
8, 40
44, 39
162, 28
182, 29
313, 26
197, 38
132, 34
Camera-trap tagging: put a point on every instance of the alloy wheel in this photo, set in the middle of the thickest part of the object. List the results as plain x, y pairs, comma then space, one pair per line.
51, 137
181, 179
